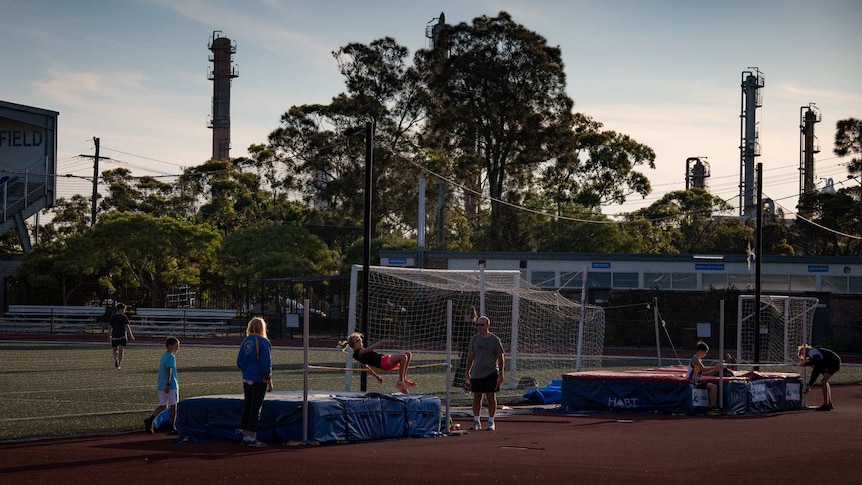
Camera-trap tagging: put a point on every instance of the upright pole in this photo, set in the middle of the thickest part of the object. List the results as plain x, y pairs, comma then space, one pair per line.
481, 287
305, 330
721, 355
95, 183
448, 367
368, 235
657, 334
581, 319
420, 226
758, 259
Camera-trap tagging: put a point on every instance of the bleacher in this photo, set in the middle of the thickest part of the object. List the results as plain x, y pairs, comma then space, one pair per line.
54, 319
182, 322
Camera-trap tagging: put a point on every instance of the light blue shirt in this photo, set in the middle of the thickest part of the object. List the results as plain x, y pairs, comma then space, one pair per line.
168, 361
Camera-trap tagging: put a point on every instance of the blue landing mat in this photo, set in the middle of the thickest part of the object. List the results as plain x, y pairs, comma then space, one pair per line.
666, 389
333, 417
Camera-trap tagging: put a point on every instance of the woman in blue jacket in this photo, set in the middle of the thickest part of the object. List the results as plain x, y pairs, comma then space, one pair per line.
255, 361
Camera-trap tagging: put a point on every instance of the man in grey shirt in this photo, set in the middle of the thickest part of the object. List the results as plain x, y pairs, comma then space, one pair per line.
484, 371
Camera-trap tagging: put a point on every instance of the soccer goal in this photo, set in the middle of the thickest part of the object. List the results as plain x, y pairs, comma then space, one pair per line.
785, 324
541, 330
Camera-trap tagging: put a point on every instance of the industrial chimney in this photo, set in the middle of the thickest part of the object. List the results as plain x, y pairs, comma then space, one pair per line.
221, 74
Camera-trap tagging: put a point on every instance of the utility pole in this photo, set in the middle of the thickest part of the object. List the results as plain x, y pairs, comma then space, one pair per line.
96, 159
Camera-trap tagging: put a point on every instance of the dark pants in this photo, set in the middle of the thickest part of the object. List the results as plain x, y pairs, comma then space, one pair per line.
254, 394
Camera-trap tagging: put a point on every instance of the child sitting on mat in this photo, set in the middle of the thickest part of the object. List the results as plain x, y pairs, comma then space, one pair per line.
696, 371
369, 358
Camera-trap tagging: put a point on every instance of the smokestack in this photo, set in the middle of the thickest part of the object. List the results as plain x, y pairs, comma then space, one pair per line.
221, 74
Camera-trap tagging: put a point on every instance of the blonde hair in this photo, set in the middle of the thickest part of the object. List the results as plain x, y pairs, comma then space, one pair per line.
256, 326
802, 351
350, 342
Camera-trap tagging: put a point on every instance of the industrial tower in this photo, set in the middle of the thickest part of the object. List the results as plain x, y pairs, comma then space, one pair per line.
221, 74
432, 32
696, 175
808, 146
749, 146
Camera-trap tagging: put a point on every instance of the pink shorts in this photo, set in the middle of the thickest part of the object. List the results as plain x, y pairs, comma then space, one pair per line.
385, 364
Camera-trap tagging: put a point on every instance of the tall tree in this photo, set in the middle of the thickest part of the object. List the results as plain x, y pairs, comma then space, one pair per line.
603, 171
832, 216
322, 146
63, 266
71, 217
848, 141
274, 251
687, 214
497, 105
153, 253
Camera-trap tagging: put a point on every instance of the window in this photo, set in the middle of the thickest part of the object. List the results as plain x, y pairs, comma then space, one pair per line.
598, 280
626, 280
803, 283
741, 281
684, 281
659, 281
713, 280
572, 279
833, 284
544, 279
774, 282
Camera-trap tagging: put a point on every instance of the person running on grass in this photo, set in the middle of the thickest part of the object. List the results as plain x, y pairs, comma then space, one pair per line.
121, 330
823, 361
369, 358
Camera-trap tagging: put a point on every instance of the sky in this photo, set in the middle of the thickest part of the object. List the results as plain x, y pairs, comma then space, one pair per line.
665, 72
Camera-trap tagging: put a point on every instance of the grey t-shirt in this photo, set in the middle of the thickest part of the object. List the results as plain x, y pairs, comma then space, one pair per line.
485, 353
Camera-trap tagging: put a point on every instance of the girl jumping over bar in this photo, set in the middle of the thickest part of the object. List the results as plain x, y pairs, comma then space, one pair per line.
369, 358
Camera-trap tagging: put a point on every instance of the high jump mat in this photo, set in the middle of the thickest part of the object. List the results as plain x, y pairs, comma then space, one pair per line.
666, 389
332, 417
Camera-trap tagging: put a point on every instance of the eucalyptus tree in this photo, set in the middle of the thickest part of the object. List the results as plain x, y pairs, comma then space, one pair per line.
497, 107
60, 268
152, 253
274, 251
499, 111
832, 222
322, 146
688, 216
848, 141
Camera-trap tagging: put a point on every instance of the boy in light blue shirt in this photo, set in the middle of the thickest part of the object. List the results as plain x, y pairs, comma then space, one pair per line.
168, 386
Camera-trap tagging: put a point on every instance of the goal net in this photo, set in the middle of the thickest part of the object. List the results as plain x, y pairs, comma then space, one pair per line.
785, 324
540, 329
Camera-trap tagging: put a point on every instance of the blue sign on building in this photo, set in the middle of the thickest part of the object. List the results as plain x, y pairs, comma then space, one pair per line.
397, 261
601, 265
709, 266
818, 268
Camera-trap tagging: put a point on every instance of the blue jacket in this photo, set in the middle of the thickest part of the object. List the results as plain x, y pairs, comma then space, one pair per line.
255, 358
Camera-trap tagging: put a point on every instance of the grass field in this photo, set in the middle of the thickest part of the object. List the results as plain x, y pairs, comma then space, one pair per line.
68, 389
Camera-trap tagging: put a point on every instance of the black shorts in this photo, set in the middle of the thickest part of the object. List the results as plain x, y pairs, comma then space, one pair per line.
485, 384
116, 342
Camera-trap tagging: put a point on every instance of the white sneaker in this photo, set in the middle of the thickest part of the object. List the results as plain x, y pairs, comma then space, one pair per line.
476, 426
491, 426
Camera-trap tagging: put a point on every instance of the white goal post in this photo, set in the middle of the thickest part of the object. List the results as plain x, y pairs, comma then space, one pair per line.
785, 324
540, 329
